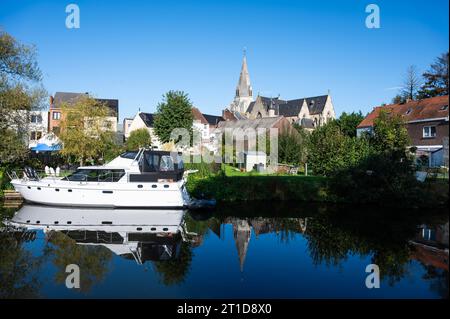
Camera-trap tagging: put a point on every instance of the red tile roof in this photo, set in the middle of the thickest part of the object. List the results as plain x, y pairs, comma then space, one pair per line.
430, 108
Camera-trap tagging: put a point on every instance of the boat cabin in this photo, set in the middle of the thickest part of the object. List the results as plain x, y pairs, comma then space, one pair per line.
154, 166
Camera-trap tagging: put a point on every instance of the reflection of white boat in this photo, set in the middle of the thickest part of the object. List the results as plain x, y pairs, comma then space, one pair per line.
134, 179
131, 233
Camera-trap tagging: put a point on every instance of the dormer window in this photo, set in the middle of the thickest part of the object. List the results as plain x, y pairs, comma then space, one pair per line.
444, 108
408, 111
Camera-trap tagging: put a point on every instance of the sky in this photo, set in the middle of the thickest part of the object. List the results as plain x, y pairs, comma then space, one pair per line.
135, 51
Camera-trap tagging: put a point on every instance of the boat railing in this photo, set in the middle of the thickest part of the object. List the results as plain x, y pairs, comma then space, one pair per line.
39, 174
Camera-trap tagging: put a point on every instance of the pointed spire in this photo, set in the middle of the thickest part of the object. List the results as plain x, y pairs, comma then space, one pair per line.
244, 88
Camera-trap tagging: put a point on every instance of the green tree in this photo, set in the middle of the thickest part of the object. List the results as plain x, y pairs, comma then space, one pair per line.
348, 123
85, 131
20, 92
292, 147
175, 111
436, 78
138, 138
390, 133
326, 149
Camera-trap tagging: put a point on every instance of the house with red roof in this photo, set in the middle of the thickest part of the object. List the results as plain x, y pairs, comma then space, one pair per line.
427, 124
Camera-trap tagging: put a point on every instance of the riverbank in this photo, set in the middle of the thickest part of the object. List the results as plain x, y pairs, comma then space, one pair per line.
316, 189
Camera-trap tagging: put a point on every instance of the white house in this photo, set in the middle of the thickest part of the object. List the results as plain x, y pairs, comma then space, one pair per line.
142, 120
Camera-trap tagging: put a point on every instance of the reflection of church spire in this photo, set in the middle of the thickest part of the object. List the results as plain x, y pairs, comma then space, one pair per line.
241, 232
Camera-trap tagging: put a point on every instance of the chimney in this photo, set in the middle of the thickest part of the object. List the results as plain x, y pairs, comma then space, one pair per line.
408, 100
51, 101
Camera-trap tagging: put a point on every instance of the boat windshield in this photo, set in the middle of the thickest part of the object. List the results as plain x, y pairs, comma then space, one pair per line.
96, 175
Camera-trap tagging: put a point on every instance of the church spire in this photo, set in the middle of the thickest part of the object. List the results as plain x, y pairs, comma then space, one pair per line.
244, 88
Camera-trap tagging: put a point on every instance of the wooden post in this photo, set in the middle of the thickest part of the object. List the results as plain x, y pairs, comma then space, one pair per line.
306, 169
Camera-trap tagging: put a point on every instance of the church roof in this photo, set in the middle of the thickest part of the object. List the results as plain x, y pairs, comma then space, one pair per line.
290, 108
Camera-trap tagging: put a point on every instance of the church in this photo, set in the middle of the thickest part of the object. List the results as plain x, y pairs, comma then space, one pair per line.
308, 112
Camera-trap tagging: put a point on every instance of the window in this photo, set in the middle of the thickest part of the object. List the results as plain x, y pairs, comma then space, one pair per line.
56, 115
36, 119
38, 135
408, 111
33, 136
444, 108
429, 131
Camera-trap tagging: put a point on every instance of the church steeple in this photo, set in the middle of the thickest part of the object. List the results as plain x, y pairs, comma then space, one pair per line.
244, 91
244, 88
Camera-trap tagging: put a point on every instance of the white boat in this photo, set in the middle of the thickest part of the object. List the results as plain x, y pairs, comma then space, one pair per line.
143, 178
130, 233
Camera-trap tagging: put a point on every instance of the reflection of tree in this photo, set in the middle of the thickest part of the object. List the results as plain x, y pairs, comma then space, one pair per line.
438, 280
18, 269
174, 271
333, 237
92, 260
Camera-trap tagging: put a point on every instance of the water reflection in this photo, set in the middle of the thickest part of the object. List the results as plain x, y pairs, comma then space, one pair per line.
166, 241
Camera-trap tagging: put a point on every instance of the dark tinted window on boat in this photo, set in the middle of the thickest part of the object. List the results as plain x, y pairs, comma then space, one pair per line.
129, 155
97, 175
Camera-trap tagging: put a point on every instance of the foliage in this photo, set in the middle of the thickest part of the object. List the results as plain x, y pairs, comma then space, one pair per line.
348, 123
92, 260
259, 188
174, 112
385, 173
436, 78
330, 149
292, 147
20, 92
174, 271
138, 139
18, 268
85, 133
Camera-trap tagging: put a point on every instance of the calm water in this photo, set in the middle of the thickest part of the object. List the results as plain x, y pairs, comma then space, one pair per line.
250, 251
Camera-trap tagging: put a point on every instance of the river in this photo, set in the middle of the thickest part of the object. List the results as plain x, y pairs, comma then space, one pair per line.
251, 250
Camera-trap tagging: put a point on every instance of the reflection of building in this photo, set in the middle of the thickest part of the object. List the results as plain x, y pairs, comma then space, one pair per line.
241, 234
431, 246
132, 234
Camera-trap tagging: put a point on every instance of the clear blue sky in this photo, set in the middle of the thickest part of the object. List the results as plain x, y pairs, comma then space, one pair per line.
137, 50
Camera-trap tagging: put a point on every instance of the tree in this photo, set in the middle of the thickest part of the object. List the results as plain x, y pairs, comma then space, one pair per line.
348, 123
174, 112
326, 149
20, 92
85, 133
390, 133
436, 79
138, 138
292, 147
411, 83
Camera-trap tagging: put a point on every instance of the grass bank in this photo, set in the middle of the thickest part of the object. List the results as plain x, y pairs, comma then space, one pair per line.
225, 188
230, 185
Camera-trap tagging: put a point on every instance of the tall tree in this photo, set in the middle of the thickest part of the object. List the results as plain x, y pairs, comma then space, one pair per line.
138, 138
436, 78
411, 83
85, 131
175, 111
348, 123
20, 92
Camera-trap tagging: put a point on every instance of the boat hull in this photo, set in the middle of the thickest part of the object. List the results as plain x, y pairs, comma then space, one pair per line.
111, 195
